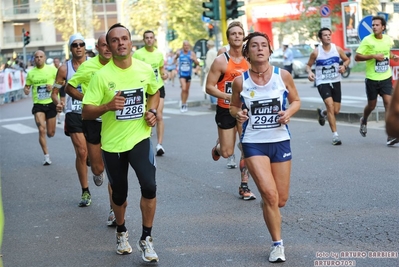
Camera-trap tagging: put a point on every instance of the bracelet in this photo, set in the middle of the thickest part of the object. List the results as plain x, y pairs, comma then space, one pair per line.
58, 86
153, 111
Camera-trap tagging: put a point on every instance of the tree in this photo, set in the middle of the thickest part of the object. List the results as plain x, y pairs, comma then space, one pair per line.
182, 16
69, 16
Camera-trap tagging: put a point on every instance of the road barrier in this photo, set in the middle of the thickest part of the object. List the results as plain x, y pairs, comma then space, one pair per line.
12, 84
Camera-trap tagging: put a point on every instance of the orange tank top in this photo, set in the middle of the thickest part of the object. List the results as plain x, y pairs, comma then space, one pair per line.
233, 70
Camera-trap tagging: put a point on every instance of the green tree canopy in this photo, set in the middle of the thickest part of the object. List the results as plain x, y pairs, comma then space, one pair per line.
182, 16
66, 15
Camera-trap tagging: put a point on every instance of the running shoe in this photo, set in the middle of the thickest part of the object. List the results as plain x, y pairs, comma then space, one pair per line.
363, 128
86, 199
245, 193
322, 119
336, 141
111, 221
98, 179
160, 150
391, 141
277, 254
47, 160
183, 108
215, 154
122, 245
146, 247
231, 162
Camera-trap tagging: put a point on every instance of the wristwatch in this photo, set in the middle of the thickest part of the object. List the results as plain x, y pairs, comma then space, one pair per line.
153, 111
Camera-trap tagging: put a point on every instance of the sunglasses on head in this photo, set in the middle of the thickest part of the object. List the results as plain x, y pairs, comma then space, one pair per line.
76, 45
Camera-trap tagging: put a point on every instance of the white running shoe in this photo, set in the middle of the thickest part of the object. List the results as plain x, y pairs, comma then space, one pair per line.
111, 221
122, 244
183, 108
146, 247
231, 162
277, 254
47, 160
160, 150
98, 179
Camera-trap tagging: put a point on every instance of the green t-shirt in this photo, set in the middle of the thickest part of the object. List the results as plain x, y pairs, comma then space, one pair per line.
376, 70
122, 130
38, 79
84, 73
155, 59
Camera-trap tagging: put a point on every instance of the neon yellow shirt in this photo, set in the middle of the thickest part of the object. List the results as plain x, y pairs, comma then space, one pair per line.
84, 73
155, 59
122, 130
38, 79
376, 70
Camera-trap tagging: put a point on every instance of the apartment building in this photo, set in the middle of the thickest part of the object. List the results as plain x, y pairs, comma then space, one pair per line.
16, 15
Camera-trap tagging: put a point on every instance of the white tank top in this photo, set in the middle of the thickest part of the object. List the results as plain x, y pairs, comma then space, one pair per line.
263, 104
72, 105
327, 65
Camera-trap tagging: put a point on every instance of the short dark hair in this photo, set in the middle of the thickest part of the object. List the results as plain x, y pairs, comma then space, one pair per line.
148, 31
247, 39
117, 25
382, 19
320, 33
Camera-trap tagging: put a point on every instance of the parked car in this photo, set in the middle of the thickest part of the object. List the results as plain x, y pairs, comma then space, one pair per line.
301, 57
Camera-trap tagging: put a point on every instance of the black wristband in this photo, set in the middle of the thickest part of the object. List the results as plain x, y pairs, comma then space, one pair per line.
153, 111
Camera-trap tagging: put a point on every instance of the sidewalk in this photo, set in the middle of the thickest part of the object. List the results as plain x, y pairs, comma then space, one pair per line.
348, 113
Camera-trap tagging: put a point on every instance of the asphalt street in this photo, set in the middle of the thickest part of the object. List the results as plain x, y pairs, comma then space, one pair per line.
343, 206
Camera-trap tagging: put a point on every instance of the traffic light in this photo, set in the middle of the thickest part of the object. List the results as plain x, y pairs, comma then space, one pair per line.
26, 38
213, 12
171, 35
232, 7
210, 30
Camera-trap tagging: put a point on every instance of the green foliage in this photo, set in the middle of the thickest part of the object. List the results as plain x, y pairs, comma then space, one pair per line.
184, 17
370, 7
60, 13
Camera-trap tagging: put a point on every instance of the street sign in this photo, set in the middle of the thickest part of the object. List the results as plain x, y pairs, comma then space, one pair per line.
384, 15
325, 11
325, 22
396, 7
200, 48
205, 19
365, 27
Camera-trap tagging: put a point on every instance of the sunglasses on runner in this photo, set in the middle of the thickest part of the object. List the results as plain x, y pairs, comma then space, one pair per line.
76, 45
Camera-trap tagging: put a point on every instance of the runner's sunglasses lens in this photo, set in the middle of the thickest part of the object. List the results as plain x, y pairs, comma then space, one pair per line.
76, 45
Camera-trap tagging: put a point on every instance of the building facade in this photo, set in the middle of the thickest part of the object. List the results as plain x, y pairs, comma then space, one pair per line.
19, 15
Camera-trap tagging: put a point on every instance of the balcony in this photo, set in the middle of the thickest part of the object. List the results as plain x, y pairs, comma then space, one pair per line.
11, 42
21, 13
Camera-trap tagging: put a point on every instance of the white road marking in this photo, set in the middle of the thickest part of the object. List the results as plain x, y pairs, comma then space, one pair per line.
20, 128
17, 119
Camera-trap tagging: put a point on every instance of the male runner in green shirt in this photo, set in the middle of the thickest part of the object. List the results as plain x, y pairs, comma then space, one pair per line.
375, 49
117, 93
41, 79
151, 55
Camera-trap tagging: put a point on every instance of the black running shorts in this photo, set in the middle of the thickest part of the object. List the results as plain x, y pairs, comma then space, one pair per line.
333, 90
375, 88
73, 123
48, 109
92, 131
223, 118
